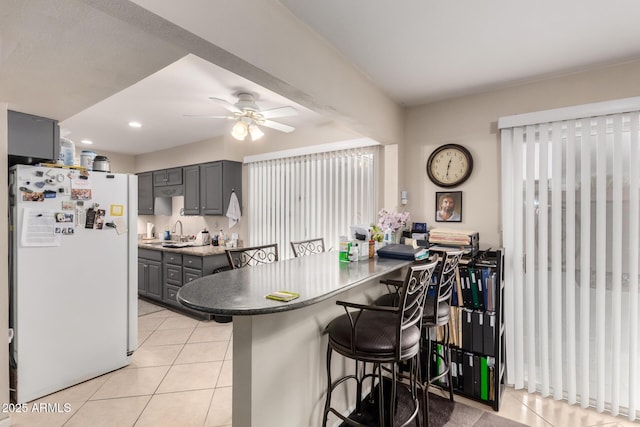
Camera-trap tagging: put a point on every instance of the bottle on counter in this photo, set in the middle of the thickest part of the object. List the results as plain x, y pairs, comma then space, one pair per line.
389, 236
345, 247
354, 252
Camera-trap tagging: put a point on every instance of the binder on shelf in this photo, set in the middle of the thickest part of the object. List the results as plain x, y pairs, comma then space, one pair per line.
467, 299
467, 330
477, 329
460, 362
491, 368
489, 334
454, 334
459, 301
474, 289
476, 375
484, 377
467, 370
480, 286
454, 368
484, 272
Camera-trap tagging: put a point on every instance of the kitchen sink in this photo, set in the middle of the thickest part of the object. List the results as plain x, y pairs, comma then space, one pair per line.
177, 244
171, 244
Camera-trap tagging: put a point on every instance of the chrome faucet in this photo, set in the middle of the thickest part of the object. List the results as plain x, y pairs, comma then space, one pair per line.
174, 229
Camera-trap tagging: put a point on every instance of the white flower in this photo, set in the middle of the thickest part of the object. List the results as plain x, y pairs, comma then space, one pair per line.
395, 221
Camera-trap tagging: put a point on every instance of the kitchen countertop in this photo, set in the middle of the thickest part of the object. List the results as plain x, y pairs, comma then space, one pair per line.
188, 250
317, 277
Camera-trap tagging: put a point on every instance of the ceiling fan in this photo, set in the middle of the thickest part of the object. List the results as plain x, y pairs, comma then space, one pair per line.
249, 117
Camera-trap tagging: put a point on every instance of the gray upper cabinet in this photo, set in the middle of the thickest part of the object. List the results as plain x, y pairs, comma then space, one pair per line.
191, 178
167, 177
208, 187
33, 136
217, 181
211, 188
168, 183
145, 193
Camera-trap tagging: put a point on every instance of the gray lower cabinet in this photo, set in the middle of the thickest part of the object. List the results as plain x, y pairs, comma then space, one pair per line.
180, 269
145, 193
150, 273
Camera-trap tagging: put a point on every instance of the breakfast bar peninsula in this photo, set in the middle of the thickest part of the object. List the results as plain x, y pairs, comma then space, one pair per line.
279, 371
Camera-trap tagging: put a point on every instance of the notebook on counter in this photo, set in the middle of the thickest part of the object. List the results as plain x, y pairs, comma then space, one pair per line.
282, 296
399, 251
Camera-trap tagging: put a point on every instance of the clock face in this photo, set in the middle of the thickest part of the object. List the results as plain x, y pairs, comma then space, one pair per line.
449, 165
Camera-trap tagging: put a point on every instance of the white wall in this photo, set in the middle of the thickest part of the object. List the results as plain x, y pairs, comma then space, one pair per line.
472, 122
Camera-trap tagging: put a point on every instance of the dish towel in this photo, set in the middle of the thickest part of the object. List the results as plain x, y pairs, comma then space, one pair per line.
233, 213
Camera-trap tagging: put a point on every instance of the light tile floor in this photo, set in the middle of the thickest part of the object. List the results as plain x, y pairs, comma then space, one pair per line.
181, 376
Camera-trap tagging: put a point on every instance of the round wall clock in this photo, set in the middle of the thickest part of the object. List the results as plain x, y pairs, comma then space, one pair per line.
449, 165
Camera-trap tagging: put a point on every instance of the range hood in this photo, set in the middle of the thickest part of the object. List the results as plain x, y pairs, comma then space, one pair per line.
168, 191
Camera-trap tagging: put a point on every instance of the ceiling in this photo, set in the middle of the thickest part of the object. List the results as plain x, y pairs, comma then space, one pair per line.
162, 101
416, 51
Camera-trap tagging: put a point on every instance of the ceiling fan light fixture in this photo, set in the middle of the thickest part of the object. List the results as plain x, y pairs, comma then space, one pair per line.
255, 132
240, 130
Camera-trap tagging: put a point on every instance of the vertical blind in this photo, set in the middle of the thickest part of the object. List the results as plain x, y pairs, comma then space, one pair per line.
571, 216
311, 196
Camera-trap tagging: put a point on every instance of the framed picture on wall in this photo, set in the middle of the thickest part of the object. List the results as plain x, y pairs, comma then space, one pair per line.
448, 206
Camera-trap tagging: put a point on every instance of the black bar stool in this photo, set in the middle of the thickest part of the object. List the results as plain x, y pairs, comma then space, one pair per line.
381, 335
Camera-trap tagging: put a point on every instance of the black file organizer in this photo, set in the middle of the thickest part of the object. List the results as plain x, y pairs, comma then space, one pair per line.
479, 360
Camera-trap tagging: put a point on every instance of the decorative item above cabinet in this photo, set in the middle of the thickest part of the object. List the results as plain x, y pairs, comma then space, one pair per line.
32, 138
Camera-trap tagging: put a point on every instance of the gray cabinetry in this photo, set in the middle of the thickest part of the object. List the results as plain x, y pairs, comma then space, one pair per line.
172, 265
180, 269
150, 273
191, 178
167, 177
168, 183
145, 193
217, 180
32, 136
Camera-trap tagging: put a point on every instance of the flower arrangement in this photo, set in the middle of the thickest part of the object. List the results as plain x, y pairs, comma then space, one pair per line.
377, 235
395, 221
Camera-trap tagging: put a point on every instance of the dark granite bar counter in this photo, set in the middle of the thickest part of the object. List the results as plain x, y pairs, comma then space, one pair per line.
279, 376
316, 278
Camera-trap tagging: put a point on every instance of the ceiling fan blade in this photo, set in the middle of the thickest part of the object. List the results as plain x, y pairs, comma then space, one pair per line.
277, 126
279, 112
208, 116
226, 104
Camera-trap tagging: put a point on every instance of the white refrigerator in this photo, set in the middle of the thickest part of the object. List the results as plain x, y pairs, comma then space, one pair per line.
73, 280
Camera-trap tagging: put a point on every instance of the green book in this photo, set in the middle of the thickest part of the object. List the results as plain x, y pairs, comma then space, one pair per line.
484, 379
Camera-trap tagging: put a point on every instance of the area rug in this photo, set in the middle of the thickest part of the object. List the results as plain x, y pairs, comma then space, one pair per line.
145, 307
442, 413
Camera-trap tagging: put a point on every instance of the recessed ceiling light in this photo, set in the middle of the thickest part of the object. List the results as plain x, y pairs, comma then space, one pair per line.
135, 124
87, 141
